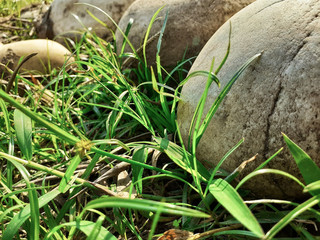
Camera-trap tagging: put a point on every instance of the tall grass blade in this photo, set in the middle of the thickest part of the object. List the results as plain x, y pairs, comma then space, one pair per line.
144, 205
147, 35
262, 165
75, 161
33, 231
96, 229
309, 170
23, 127
86, 227
238, 233
10, 148
114, 117
154, 225
140, 106
35, 214
56, 130
197, 116
161, 32
272, 171
221, 96
215, 170
209, 198
229, 198
25, 213
126, 33
227, 53
176, 93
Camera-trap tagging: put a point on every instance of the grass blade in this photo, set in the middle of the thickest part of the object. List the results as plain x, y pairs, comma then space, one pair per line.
126, 33
273, 171
197, 116
56, 130
315, 186
293, 214
24, 214
33, 230
161, 33
144, 205
178, 155
86, 227
229, 198
235, 232
227, 53
69, 173
23, 127
215, 170
309, 170
53, 171
148, 33
154, 223
6, 117
35, 214
262, 165
139, 155
96, 229
221, 96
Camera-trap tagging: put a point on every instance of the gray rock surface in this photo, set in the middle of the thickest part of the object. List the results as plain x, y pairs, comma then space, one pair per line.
59, 20
190, 25
278, 93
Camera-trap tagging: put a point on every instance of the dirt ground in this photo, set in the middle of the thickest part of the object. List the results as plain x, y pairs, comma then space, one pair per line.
16, 28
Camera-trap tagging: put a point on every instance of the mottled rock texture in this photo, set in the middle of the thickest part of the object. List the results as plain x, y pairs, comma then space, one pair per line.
278, 93
190, 25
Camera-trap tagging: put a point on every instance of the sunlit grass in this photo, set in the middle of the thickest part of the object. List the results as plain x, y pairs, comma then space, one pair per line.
9, 7
102, 158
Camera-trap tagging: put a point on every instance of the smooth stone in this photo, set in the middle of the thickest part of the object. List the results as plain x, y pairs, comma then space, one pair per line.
50, 55
277, 93
190, 25
59, 22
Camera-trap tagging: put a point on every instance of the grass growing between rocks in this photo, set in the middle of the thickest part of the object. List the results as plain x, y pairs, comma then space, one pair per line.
95, 153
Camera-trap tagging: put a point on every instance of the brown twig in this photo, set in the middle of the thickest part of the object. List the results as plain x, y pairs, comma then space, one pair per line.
8, 27
14, 74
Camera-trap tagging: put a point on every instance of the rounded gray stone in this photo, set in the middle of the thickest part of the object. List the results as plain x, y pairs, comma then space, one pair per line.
190, 25
278, 93
60, 20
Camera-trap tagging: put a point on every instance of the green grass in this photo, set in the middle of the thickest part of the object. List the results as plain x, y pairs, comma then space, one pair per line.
15, 25
9, 7
105, 115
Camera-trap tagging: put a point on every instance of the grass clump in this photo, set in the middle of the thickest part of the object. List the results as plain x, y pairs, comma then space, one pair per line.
101, 157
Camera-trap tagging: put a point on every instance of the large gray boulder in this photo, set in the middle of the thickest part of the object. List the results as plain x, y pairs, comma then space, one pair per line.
190, 25
59, 22
278, 93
